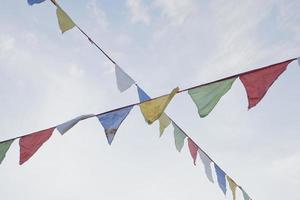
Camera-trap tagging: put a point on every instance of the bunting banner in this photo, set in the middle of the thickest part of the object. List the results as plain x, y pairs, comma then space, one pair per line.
64, 21
193, 149
206, 163
31, 2
4, 146
221, 178
232, 186
63, 128
179, 137
245, 195
124, 81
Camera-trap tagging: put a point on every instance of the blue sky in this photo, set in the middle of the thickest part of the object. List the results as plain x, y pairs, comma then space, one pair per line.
48, 78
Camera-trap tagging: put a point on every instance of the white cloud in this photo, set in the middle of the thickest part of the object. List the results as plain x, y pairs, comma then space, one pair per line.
139, 12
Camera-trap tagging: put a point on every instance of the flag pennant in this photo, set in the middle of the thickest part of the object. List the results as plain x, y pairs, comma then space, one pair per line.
143, 96
29, 144
193, 149
206, 162
64, 21
63, 128
124, 81
4, 146
164, 122
258, 82
111, 122
245, 195
232, 186
179, 137
206, 97
221, 178
154, 108
31, 2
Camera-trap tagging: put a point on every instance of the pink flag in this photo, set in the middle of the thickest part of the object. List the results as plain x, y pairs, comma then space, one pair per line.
258, 82
193, 149
29, 144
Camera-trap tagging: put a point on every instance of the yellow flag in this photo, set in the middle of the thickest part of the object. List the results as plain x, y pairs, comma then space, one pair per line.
153, 109
232, 186
164, 122
64, 21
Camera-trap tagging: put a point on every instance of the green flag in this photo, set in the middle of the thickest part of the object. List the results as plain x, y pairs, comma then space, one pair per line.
164, 122
64, 21
206, 97
245, 195
4, 146
179, 137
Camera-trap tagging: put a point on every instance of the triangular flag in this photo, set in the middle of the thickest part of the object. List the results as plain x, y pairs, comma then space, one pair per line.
193, 149
124, 81
31, 2
206, 97
111, 121
258, 82
63, 128
4, 146
206, 162
64, 21
143, 96
179, 137
245, 195
29, 144
232, 186
164, 122
298, 59
221, 178
154, 108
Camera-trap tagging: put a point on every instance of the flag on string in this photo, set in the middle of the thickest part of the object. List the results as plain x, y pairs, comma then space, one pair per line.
143, 96
154, 108
4, 146
179, 137
31, 2
206, 162
111, 122
206, 97
193, 149
245, 195
258, 82
164, 122
64, 21
221, 178
124, 81
232, 186
63, 128
29, 144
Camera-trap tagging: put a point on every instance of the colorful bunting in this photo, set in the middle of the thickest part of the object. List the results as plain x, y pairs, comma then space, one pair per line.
31, 143
179, 137
111, 122
64, 21
154, 108
206, 162
258, 82
164, 122
206, 97
4, 146
31, 2
124, 81
232, 186
63, 128
245, 195
193, 149
221, 178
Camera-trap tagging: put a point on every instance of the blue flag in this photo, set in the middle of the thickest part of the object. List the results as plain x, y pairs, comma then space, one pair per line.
221, 178
111, 121
31, 2
142, 95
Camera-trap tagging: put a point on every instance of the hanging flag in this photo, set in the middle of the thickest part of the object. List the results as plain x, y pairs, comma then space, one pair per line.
4, 146
143, 96
258, 82
179, 137
206, 162
31, 143
64, 21
63, 128
111, 121
245, 195
124, 81
206, 97
193, 149
154, 108
232, 186
221, 178
31, 2
164, 122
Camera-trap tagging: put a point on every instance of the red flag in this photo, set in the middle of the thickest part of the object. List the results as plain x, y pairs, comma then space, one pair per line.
193, 149
31, 143
258, 82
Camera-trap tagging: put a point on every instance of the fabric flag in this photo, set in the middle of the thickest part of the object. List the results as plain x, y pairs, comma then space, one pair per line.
63, 128
154, 108
111, 122
193, 149
29, 144
164, 122
143, 96
245, 195
232, 186
124, 81
221, 178
206, 97
258, 82
64, 21
31, 2
179, 137
4, 146
206, 162
298, 59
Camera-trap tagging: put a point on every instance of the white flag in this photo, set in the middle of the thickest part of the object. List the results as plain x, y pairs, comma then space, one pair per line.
63, 128
206, 162
124, 81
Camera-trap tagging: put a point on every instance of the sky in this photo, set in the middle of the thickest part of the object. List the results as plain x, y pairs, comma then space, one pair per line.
47, 78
